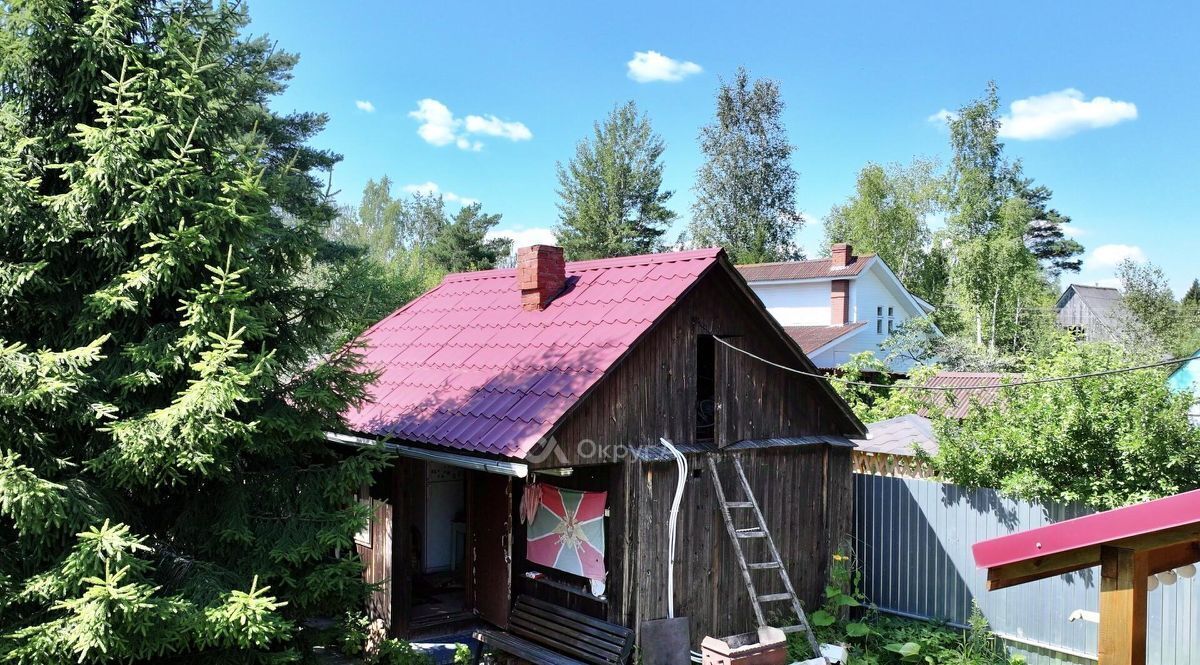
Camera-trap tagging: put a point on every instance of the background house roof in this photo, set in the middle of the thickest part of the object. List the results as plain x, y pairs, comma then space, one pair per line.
814, 269
464, 366
811, 338
959, 402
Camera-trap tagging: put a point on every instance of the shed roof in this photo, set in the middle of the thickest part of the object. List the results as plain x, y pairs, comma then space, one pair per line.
465, 366
897, 436
1122, 526
814, 269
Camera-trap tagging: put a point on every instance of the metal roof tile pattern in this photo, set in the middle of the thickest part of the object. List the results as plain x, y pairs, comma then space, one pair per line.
960, 404
814, 269
464, 366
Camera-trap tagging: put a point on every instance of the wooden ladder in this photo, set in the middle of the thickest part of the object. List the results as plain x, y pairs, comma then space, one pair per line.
737, 535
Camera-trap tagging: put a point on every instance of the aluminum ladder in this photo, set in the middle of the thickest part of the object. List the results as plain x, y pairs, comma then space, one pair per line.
739, 534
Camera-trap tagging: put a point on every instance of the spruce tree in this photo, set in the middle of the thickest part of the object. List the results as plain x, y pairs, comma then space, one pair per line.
462, 244
611, 197
165, 378
1191, 297
746, 190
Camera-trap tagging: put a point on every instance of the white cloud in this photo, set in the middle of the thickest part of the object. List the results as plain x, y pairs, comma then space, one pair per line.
1110, 256
493, 126
1073, 231
1110, 282
438, 124
536, 235
942, 117
432, 189
651, 66
440, 127
364, 105
1060, 114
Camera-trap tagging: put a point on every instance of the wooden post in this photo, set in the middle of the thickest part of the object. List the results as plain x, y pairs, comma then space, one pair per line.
1122, 606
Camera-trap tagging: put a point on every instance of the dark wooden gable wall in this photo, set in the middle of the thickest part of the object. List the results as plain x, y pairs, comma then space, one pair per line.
652, 392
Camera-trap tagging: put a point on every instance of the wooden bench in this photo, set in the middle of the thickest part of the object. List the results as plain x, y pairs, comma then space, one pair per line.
545, 634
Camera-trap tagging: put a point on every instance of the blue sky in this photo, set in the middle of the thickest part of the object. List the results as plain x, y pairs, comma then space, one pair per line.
1106, 98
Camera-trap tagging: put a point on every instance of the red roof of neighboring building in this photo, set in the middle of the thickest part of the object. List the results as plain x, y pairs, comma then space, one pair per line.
964, 399
814, 269
1171, 512
465, 366
811, 338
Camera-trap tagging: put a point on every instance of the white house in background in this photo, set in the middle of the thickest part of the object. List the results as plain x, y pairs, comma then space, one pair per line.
836, 307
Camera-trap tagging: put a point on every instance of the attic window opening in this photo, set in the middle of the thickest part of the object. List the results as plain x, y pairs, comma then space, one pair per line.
891, 319
706, 388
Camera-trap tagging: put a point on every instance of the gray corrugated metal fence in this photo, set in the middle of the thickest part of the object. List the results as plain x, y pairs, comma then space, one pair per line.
913, 539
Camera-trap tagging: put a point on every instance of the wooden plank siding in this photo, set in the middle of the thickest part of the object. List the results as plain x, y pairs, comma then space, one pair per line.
805, 494
652, 392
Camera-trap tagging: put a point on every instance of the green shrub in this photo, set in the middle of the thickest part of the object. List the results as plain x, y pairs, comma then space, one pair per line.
874, 638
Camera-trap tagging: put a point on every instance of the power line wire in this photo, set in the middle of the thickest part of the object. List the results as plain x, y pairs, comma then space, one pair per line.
868, 384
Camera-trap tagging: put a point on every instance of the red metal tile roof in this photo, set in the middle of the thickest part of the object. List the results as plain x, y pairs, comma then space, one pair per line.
961, 401
1090, 530
811, 338
465, 366
814, 269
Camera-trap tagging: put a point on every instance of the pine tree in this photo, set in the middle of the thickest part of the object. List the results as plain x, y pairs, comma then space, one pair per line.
611, 197
746, 190
164, 376
1046, 236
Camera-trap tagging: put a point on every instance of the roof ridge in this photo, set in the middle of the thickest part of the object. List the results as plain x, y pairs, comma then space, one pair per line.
592, 264
864, 255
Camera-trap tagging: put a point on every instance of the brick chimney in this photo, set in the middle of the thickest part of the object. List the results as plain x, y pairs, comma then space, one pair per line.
843, 255
839, 302
541, 275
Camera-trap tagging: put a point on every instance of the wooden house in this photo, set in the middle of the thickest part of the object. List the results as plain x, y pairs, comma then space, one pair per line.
565, 377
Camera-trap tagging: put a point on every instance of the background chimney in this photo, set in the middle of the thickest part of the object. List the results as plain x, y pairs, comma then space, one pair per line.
541, 274
842, 255
839, 302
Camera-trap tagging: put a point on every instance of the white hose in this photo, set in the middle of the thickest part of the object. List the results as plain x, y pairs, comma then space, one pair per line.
681, 463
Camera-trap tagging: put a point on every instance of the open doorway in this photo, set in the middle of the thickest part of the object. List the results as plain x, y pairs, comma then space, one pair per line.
438, 543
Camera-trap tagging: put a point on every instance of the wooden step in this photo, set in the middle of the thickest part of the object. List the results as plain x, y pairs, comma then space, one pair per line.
765, 565
792, 629
772, 597
750, 533
740, 504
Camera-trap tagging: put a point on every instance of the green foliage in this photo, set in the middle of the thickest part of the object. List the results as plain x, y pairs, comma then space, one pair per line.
888, 215
398, 652
873, 638
611, 197
746, 189
1156, 321
169, 308
875, 404
1105, 441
